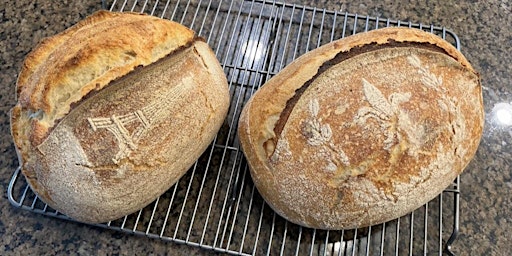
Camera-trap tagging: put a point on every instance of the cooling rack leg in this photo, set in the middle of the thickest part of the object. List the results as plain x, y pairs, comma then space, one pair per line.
11, 187
455, 232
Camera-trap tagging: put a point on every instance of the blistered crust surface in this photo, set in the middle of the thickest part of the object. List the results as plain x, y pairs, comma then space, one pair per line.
371, 138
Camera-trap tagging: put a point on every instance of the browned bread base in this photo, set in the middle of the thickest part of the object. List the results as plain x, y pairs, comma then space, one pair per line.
99, 139
364, 129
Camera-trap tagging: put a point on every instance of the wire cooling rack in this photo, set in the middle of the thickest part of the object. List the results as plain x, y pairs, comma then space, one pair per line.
215, 205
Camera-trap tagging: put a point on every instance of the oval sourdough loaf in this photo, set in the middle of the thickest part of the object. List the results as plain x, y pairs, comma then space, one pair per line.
113, 111
364, 129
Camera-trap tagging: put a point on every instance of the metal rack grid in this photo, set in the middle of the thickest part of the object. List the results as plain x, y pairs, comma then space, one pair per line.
215, 205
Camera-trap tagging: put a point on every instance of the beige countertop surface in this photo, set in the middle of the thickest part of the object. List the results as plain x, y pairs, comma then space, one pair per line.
485, 32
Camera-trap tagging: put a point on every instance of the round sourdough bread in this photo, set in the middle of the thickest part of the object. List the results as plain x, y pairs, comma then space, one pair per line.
364, 129
113, 111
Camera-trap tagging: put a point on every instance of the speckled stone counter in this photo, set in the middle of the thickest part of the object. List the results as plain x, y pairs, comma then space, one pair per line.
485, 32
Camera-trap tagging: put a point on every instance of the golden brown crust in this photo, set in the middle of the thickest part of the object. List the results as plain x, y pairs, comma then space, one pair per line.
371, 137
87, 56
99, 156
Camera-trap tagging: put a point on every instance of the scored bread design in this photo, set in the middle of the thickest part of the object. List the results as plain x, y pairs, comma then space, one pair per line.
364, 129
113, 111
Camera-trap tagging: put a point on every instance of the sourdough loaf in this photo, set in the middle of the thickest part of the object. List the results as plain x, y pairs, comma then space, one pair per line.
113, 111
364, 129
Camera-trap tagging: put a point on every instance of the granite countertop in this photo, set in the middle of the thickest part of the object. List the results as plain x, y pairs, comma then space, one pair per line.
485, 32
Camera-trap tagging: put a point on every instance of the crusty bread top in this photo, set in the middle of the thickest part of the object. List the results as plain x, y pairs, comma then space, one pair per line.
363, 129
307, 66
112, 104
64, 68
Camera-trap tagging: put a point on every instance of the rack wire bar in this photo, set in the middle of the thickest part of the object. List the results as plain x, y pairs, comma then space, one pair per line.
215, 205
